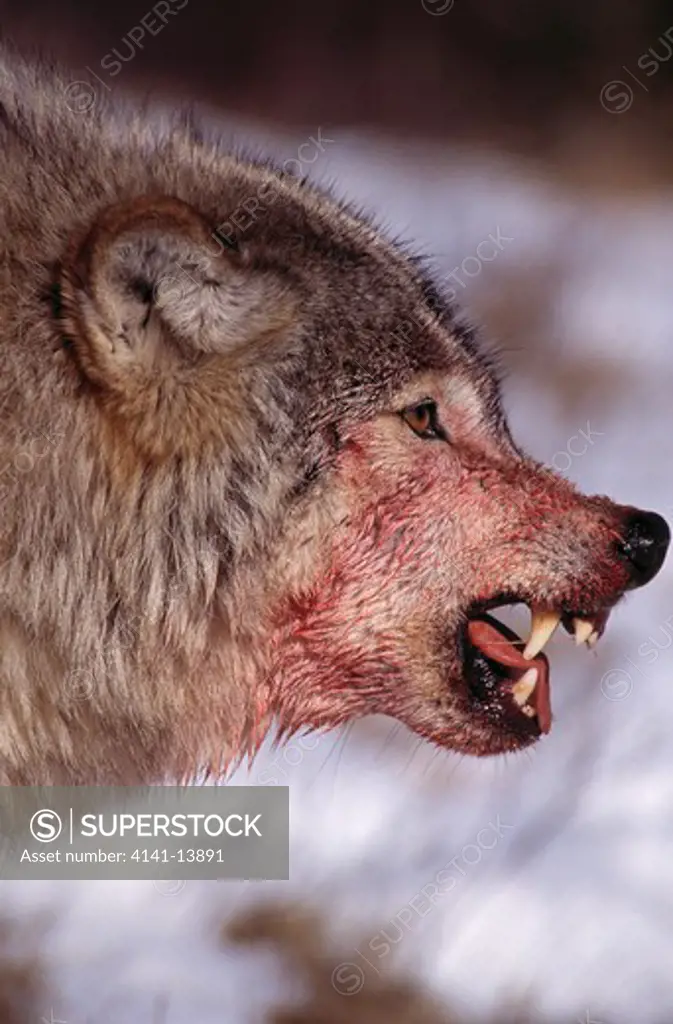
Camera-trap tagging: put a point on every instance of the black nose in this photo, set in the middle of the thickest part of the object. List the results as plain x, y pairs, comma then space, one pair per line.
645, 545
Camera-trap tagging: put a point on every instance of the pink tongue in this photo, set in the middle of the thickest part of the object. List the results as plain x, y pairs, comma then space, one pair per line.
501, 644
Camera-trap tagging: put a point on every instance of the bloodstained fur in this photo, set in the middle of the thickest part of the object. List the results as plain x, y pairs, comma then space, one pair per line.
427, 537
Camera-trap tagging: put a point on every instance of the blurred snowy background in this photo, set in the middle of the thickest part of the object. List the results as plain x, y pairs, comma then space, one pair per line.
542, 884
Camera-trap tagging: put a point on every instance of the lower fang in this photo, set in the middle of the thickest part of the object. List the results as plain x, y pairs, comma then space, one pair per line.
524, 687
583, 631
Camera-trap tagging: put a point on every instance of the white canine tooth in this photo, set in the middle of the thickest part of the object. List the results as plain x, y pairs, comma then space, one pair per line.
583, 630
593, 639
523, 688
543, 624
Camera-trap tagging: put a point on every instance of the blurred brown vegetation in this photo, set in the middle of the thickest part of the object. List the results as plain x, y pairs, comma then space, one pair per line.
294, 933
21, 979
299, 937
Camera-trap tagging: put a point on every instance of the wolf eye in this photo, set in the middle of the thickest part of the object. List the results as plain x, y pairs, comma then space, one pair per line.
424, 420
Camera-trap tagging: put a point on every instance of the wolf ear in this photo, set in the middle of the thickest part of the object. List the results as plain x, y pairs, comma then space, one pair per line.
151, 289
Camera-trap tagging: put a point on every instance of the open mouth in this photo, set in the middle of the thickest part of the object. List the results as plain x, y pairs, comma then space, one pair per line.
509, 677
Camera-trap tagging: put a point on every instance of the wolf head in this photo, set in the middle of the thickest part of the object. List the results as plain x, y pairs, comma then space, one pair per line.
274, 479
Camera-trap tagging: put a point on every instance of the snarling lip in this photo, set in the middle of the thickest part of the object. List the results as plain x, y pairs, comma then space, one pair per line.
508, 678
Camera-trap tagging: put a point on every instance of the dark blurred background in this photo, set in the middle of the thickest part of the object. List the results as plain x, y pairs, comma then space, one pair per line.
518, 75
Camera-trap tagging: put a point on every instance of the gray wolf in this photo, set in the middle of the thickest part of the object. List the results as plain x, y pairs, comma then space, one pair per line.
253, 475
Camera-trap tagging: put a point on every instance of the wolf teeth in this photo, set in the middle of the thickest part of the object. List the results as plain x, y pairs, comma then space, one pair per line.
522, 689
543, 624
584, 630
593, 639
